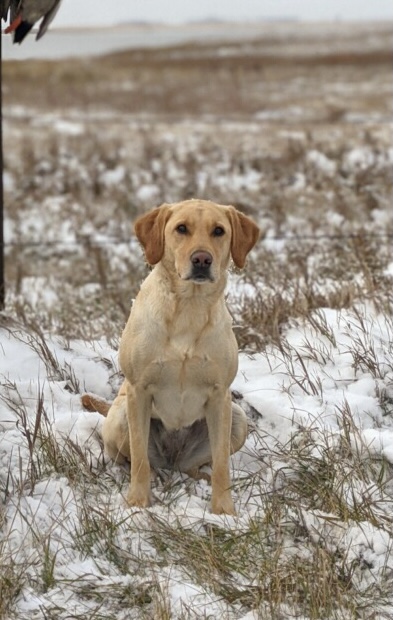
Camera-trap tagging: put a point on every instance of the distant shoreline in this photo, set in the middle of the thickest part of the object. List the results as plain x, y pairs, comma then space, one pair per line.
84, 42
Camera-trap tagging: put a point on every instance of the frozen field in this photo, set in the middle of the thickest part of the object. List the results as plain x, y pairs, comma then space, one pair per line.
292, 126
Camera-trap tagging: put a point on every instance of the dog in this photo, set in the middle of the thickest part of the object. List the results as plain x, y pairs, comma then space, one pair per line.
178, 352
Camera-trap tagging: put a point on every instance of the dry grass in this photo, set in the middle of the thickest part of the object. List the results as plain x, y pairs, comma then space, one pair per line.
245, 79
325, 246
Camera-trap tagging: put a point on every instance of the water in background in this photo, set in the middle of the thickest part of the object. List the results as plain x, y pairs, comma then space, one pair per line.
59, 43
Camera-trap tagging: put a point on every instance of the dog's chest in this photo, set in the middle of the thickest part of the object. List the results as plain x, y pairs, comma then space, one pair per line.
182, 380
180, 356
177, 400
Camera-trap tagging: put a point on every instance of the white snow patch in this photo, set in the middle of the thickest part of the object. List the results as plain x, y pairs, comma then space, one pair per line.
113, 177
322, 163
69, 128
148, 193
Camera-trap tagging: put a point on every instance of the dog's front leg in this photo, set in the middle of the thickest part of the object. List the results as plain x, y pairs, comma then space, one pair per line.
219, 422
138, 414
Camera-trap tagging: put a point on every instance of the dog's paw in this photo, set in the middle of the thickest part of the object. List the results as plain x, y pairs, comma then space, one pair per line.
138, 498
223, 505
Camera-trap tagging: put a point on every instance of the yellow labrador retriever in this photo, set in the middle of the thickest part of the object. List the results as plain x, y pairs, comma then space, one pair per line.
178, 351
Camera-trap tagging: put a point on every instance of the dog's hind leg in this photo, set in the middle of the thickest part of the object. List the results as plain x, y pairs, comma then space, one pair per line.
115, 429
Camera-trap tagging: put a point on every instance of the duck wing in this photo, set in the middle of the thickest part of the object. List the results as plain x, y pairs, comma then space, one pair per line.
48, 18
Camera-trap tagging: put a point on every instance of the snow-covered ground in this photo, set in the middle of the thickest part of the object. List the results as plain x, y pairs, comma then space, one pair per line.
325, 393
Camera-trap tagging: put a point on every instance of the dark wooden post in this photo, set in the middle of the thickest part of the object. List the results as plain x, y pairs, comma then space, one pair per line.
2, 284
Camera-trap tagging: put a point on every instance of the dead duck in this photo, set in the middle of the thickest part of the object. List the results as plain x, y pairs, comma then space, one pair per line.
4, 6
25, 13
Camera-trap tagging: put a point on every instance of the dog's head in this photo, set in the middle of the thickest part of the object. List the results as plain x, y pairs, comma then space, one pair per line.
196, 238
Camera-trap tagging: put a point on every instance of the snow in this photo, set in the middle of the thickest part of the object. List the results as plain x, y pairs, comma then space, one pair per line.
113, 177
69, 128
148, 194
321, 162
309, 383
359, 158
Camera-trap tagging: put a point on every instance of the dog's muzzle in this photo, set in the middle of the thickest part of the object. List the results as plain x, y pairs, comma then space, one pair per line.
201, 262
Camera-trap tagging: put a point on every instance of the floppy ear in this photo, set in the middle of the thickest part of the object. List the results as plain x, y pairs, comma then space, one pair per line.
150, 230
245, 234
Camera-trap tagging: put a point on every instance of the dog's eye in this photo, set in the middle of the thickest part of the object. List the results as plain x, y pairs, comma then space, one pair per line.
218, 231
182, 229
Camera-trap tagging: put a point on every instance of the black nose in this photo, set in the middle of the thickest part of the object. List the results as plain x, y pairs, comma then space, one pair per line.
201, 260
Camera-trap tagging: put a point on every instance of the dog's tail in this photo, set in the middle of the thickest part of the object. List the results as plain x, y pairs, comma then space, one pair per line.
91, 402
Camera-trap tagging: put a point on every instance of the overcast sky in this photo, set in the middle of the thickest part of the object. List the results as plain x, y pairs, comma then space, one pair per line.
95, 12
